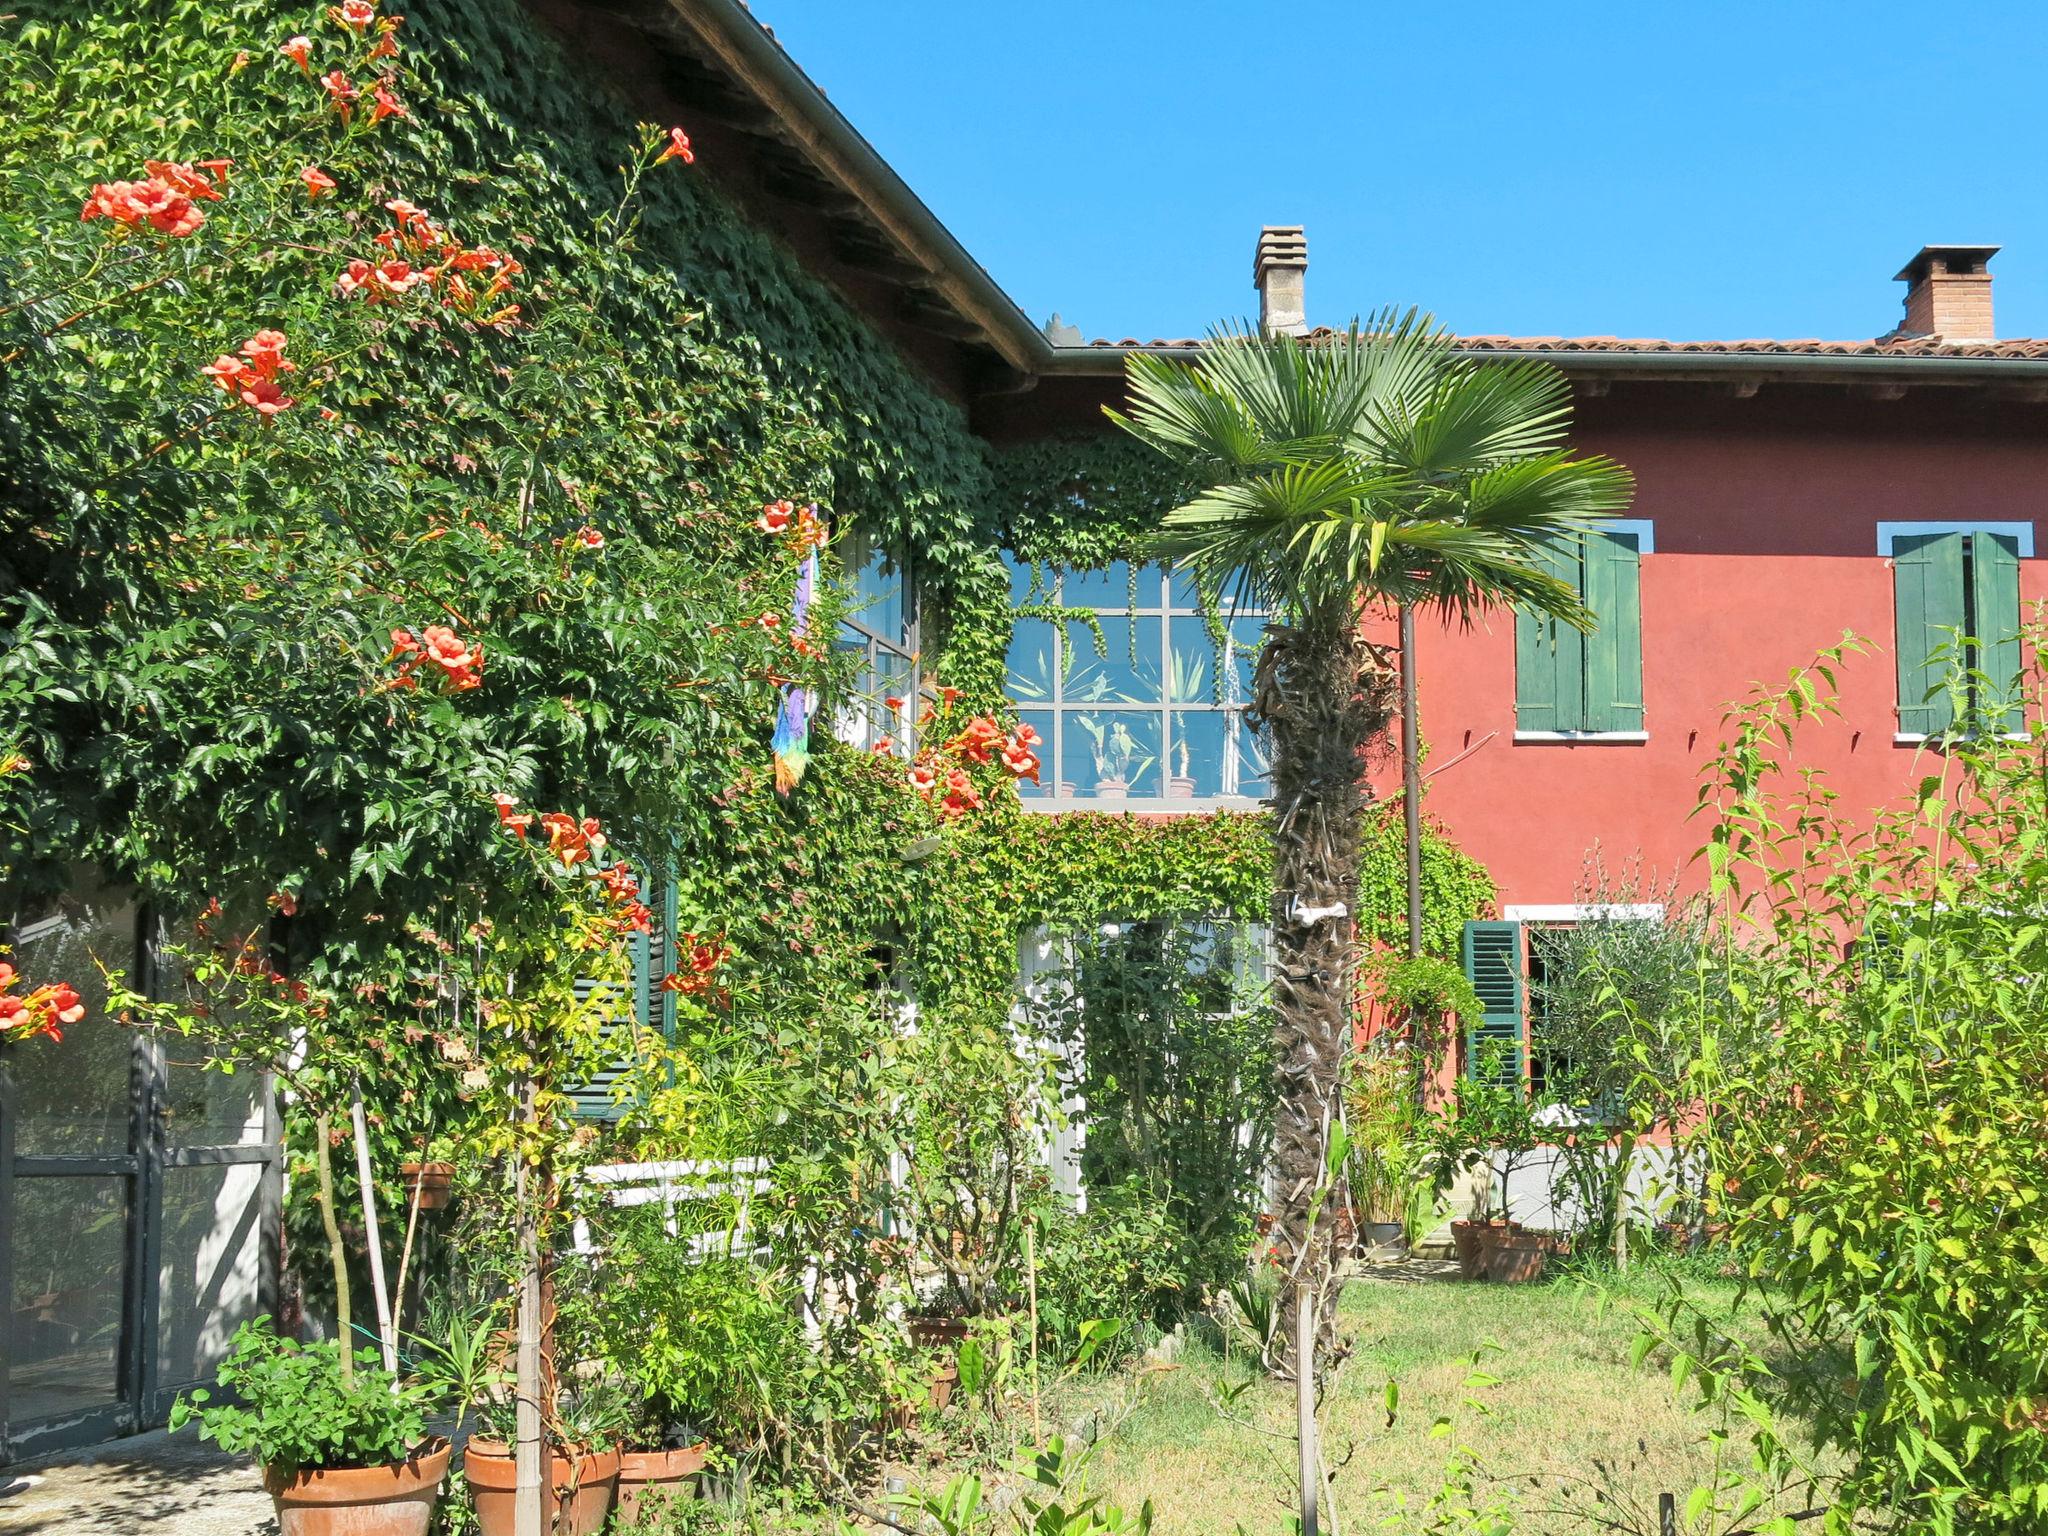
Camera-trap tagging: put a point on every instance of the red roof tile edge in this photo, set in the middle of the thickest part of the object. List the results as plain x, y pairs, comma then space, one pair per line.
1883, 346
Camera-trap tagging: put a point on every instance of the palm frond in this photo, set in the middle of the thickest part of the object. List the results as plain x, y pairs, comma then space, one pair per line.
1374, 464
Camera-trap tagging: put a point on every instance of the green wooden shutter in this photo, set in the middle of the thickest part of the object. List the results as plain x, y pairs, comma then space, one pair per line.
1550, 663
1614, 651
1493, 964
1927, 584
1995, 597
636, 1003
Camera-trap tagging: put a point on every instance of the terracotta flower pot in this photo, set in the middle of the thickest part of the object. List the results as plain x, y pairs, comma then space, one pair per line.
642, 1470
929, 1331
430, 1183
1465, 1242
578, 1496
1515, 1259
396, 1499
944, 1380
1112, 789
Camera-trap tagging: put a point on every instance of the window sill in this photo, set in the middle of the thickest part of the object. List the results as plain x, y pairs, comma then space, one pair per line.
1142, 805
1936, 738
1591, 738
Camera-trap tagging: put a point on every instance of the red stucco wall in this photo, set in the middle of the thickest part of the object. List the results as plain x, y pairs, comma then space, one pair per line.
1713, 626
1765, 509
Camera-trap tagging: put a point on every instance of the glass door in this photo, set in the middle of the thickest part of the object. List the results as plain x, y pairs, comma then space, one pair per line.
138, 1202
68, 1201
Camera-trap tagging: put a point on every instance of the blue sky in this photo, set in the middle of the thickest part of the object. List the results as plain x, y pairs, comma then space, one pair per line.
1655, 168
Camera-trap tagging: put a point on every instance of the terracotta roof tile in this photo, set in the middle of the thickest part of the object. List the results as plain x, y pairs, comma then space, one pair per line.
1882, 346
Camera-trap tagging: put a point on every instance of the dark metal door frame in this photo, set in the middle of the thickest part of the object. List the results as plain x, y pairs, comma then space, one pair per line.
142, 1399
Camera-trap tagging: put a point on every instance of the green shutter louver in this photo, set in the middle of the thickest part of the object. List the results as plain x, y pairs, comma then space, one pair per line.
1995, 620
1614, 651
1492, 953
1927, 585
1550, 663
637, 1003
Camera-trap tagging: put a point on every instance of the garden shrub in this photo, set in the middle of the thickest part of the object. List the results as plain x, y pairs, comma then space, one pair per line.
1121, 1260
1166, 1044
1880, 1166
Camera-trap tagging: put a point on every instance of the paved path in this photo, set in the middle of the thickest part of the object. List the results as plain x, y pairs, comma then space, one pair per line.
147, 1485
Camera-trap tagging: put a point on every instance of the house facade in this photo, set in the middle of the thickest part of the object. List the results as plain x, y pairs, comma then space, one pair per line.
1787, 493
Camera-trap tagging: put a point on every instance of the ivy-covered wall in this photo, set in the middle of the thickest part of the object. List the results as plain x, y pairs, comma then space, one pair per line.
762, 382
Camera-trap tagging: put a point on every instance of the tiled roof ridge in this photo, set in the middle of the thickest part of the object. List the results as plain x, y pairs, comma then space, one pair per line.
1880, 346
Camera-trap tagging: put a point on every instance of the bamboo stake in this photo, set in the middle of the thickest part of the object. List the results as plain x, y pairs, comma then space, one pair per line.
1031, 1289
528, 1514
412, 1221
387, 1341
1305, 1406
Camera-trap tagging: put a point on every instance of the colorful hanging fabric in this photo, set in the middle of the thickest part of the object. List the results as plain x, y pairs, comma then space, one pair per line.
792, 740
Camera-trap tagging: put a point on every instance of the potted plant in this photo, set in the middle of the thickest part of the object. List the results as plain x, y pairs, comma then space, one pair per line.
1118, 759
1187, 676
430, 1178
696, 1339
1491, 1127
1382, 1114
343, 1444
582, 1473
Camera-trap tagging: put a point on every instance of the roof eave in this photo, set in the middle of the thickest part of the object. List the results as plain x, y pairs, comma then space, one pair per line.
1663, 367
751, 52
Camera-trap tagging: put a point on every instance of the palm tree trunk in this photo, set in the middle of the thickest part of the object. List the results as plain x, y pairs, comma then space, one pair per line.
1325, 695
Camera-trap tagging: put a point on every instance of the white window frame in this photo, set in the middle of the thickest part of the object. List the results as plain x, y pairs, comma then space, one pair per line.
860, 719
1165, 611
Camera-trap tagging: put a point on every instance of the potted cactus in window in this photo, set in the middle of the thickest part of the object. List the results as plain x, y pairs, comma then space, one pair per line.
1187, 679
1118, 758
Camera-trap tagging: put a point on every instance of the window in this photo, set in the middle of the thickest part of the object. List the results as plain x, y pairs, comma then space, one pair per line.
880, 629
1154, 710
1957, 582
1569, 684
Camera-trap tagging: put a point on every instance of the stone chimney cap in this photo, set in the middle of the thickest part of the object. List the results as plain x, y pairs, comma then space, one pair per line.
1958, 260
1280, 245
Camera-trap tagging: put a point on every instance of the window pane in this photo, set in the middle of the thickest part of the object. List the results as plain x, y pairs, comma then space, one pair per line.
880, 597
1040, 720
1111, 752
210, 1108
64, 1319
1185, 594
894, 679
1195, 760
211, 1267
72, 1095
1021, 574
1032, 644
1106, 588
1246, 768
1246, 637
1127, 672
1191, 668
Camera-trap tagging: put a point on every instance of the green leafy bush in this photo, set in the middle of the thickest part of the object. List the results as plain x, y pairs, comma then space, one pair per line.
1882, 1167
1166, 1031
706, 1344
1122, 1259
293, 1410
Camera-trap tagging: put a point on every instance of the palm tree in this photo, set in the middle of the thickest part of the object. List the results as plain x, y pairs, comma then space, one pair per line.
1375, 468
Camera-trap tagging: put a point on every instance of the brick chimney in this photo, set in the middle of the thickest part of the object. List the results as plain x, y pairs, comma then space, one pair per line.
1949, 293
1277, 269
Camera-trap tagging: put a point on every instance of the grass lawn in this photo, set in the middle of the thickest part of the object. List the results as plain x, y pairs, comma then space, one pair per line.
1566, 1398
